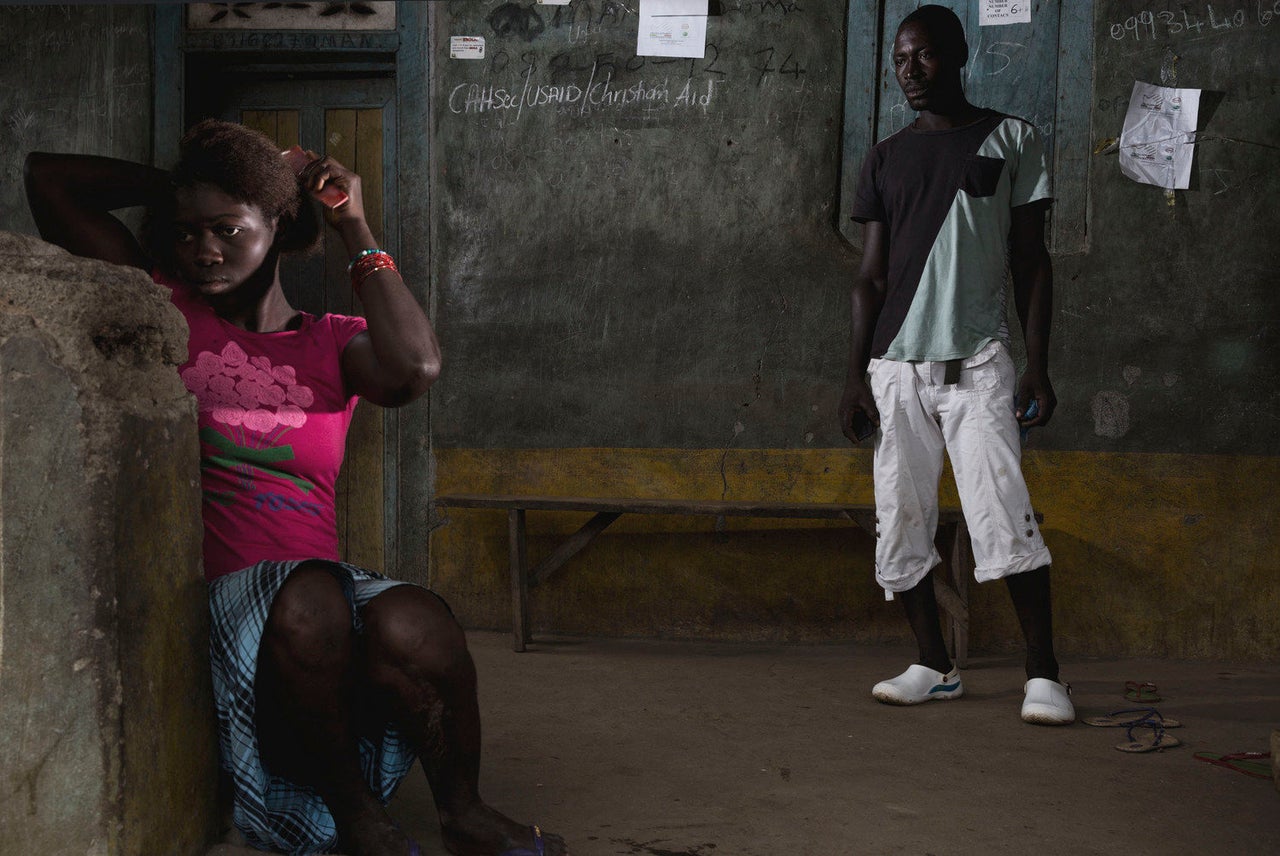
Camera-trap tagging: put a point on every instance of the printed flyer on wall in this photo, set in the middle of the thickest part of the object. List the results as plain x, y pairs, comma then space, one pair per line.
672, 28
1158, 140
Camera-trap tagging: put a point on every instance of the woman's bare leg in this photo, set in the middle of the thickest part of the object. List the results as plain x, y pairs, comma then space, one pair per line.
304, 687
416, 656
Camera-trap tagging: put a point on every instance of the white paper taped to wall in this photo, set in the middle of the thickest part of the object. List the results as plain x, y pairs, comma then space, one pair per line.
996, 12
672, 28
466, 47
1158, 140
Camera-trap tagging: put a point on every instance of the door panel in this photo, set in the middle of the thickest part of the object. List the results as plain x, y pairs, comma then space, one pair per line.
283, 126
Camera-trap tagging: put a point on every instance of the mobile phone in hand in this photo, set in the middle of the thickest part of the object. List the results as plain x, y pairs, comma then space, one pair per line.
1030, 413
863, 427
297, 160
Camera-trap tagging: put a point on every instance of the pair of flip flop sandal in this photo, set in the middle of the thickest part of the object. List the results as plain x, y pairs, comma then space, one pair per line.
1144, 728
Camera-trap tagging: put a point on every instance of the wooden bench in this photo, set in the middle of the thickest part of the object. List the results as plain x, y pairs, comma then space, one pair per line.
951, 586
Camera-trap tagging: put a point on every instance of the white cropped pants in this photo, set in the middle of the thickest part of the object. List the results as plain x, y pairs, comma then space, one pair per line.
974, 421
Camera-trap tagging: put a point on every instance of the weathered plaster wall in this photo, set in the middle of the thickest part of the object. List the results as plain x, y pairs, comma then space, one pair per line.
73, 78
105, 710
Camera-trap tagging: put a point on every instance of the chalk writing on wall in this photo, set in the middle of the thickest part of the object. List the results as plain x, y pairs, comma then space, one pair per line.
582, 82
604, 95
1151, 24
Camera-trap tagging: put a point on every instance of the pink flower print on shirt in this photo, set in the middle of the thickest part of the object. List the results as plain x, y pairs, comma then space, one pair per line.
232, 416
300, 395
242, 391
234, 355
195, 380
260, 420
250, 392
210, 364
251, 405
222, 391
292, 416
271, 395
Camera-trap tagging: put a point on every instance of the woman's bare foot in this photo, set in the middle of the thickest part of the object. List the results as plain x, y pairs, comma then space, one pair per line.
368, 831
481, 831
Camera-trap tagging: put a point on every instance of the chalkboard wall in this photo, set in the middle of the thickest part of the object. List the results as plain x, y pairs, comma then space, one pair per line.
1168, 336
636, 251
632, 252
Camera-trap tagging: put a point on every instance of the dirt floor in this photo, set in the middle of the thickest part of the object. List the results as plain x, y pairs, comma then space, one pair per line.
704, 749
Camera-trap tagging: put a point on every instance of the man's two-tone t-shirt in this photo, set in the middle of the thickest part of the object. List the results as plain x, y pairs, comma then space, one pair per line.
946, 198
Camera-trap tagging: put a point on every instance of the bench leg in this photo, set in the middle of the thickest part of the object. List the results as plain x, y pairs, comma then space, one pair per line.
519, 579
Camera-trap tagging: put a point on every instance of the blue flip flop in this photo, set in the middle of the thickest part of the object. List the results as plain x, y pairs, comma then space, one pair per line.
1157, 740
1132, 716
538, 848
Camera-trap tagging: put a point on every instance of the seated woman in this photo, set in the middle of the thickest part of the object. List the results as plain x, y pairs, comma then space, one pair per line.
329, 679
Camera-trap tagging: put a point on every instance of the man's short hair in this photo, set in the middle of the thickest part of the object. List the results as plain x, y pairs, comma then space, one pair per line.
944, 26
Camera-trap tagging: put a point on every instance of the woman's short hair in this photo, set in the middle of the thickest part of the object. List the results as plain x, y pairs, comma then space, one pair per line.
246, 165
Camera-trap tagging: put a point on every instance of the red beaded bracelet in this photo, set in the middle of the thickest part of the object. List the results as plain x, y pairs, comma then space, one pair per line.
367, 264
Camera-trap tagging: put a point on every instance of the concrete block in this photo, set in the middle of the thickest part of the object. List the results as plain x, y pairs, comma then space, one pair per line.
107, 734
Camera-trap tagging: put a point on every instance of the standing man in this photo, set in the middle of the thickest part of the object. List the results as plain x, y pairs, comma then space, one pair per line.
951, 206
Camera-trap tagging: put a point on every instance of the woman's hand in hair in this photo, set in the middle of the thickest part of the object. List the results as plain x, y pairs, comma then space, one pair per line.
325, 172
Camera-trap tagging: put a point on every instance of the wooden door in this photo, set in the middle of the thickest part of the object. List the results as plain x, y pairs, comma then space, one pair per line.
352, 120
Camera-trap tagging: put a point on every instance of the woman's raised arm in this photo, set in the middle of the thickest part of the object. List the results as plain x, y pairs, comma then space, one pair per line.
72, 197
398, 358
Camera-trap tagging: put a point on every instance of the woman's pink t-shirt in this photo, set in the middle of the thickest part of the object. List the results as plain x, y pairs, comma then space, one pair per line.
273, 426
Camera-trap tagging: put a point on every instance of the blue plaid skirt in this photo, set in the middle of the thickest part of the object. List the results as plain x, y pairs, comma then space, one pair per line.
274, 813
